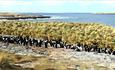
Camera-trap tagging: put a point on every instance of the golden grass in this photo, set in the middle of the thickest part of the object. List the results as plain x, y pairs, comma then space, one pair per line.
43, 63
6, 57
3, 58
84, 33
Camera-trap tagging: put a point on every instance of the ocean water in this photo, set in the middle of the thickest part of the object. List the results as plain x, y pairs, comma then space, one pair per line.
108, 19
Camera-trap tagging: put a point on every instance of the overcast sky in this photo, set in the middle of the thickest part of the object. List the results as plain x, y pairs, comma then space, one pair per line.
57, 6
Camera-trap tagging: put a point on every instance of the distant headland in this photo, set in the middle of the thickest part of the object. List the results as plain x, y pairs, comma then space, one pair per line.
17, 16
105, 13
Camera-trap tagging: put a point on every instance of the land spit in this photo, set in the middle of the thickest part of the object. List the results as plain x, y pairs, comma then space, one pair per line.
17, 16
26, 17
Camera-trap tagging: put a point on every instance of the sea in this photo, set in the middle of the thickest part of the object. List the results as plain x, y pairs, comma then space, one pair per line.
107, 19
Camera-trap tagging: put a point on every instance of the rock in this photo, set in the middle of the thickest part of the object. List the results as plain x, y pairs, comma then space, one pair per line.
4, 47
50, 69
43, 52
27, 64
76, 67
91, 68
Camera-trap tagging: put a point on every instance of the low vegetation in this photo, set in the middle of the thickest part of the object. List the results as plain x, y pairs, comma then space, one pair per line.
71, 33
8, 61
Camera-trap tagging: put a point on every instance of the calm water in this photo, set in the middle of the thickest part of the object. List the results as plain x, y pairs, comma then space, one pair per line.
79, 17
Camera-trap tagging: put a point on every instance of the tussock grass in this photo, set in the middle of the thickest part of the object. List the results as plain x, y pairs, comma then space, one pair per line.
8, 61
3, 58
71, 33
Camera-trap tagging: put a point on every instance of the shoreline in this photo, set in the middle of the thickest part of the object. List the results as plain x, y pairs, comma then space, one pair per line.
18, 18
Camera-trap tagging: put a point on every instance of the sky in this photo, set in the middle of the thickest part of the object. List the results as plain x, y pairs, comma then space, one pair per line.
57, 6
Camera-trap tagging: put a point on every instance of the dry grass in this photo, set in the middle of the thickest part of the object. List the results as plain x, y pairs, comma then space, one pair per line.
49, 63
8, 61
6, 57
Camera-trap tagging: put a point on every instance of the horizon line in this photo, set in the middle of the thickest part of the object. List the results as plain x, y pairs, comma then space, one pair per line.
56, 12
